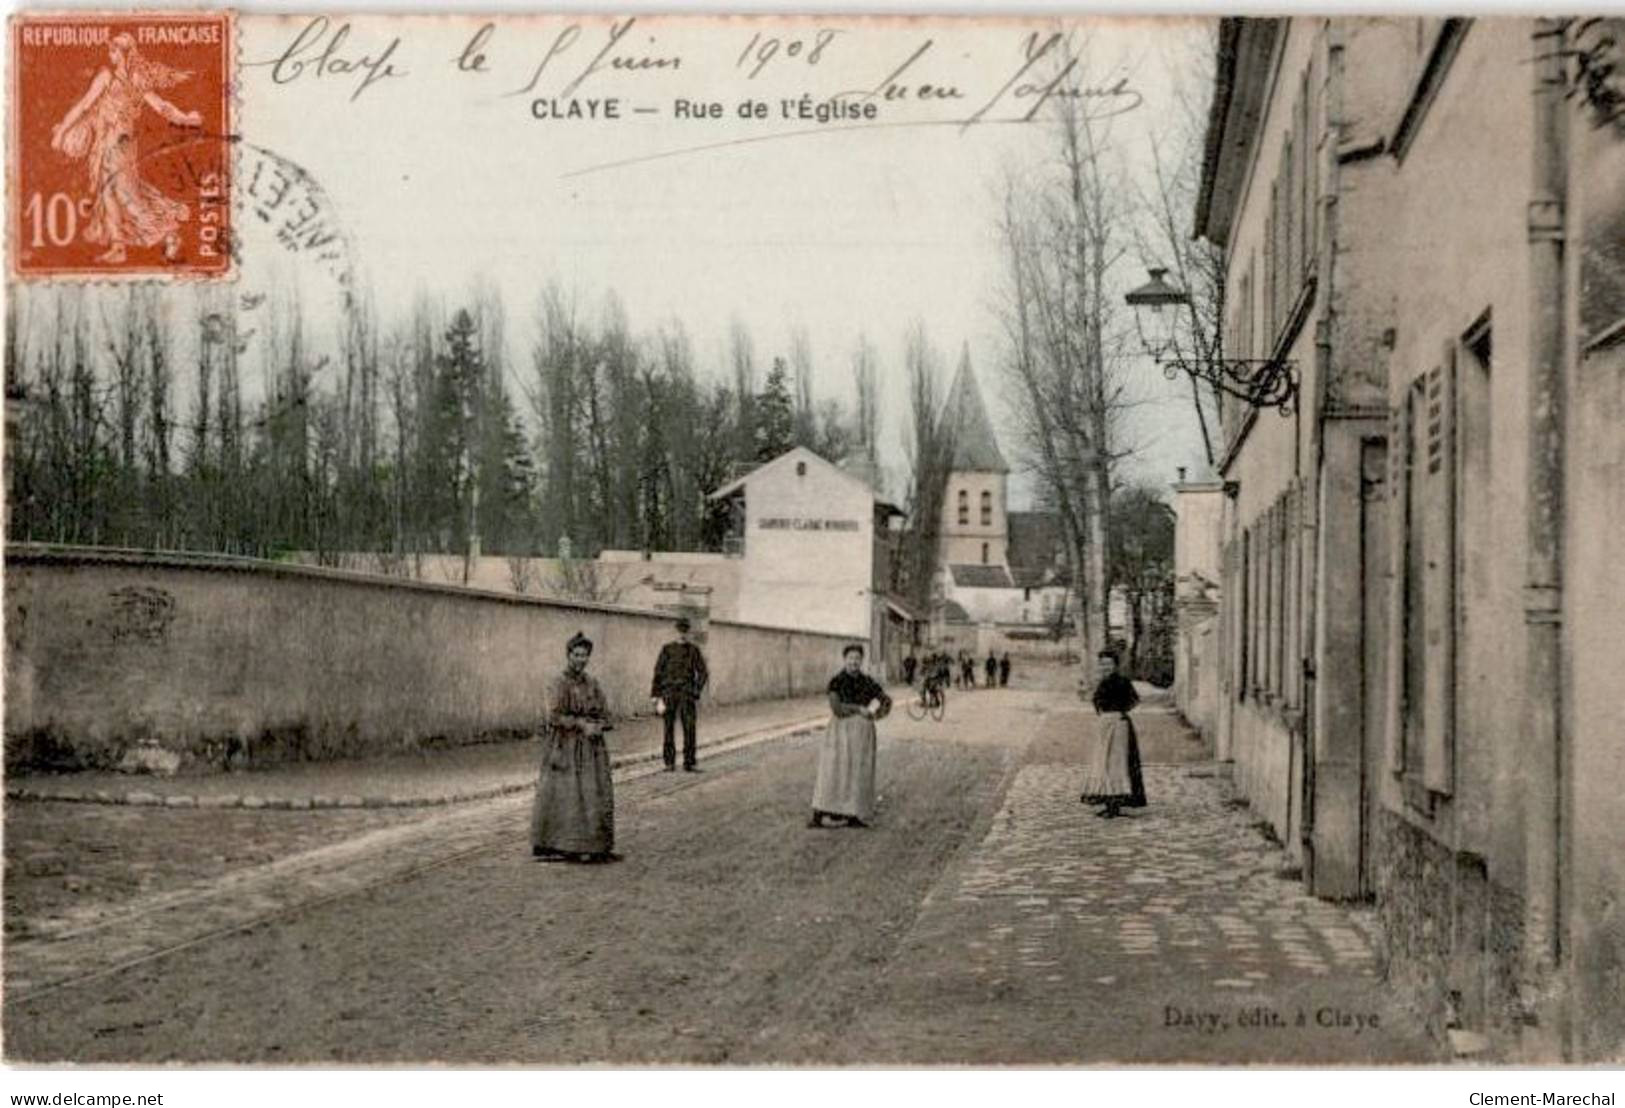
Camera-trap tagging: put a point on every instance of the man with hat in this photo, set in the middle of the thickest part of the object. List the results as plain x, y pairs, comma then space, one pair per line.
680, 677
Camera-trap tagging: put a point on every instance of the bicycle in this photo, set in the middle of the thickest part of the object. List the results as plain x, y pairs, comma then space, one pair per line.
932, 701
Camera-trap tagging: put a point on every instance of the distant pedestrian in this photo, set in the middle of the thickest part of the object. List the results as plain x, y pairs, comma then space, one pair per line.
910, 663
846, 763
967, 669
991, 669
573, 816
680, 678
1113, 779
1004, 669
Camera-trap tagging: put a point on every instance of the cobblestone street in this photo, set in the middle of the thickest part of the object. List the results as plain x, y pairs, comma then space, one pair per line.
987, 918
1170, 934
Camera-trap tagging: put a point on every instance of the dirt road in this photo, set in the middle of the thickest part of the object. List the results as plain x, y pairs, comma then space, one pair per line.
985, 918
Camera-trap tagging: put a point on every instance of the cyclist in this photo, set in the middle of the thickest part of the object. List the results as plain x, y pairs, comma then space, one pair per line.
936, 676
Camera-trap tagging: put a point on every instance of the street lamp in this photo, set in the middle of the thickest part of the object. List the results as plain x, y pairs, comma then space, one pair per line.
1257, 382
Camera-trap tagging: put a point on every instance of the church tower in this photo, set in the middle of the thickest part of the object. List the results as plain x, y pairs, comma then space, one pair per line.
975, 526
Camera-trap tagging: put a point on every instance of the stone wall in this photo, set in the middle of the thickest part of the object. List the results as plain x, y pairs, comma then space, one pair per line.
215, 660
1453, 932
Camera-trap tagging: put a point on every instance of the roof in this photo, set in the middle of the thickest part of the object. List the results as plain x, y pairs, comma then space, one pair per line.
954, 612
1034, 577
795, 453
1240, 85
981, 577
976, 447
901, 607
1034, 540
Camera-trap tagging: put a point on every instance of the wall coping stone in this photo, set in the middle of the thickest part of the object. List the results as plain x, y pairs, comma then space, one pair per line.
51, 554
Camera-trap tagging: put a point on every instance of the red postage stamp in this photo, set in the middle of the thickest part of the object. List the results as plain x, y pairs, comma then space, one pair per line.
120, 132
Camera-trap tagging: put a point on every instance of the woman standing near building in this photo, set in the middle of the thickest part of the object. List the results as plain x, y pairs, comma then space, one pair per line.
1113, 777
573, 816
846, 764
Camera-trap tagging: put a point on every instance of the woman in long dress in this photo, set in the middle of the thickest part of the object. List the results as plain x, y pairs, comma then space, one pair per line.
846, 764
101, 128
573, 816
1112, 778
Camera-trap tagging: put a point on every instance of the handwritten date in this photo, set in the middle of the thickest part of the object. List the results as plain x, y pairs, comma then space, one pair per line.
760, 51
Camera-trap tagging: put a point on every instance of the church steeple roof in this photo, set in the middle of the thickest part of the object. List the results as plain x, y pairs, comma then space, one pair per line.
976, 447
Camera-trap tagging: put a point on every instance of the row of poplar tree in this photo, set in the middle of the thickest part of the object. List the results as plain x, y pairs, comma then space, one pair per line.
214, 420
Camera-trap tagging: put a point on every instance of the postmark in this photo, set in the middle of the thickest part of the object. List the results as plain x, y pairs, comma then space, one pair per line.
120, 164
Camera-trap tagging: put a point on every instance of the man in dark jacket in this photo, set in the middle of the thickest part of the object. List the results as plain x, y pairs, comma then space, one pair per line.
680, 677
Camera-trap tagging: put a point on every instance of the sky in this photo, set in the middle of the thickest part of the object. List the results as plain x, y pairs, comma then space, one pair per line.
440, 174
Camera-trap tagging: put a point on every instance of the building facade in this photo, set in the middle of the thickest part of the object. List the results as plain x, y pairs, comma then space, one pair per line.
1426, 216
807, 558
1198, 561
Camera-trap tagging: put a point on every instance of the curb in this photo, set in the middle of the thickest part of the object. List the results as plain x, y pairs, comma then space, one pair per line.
143, 799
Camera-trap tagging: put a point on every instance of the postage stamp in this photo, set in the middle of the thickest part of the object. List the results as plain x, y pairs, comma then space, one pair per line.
120, 149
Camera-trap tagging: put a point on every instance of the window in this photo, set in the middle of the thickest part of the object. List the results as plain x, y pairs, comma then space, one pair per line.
984, 553
1272, 265
1249, 614
1237, 604
964, 507
1289, 226
1283, 588
1429, 551
1277, 617
1261, 563
1477, 510
987, 508
1243, 328
1293, 685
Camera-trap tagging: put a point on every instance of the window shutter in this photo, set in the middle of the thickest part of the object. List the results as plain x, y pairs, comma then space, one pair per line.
1439, 552
1289, 221
1267, 292
1245, 623
1401, 435
1294, 578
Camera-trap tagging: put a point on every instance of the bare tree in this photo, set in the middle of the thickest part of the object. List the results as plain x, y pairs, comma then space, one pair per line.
801, 368
742, 364
125, 334
522, 575
561, 347
1141, 564
590, 580
158, 433
865, 376
929, 452
1063, 229
682, 433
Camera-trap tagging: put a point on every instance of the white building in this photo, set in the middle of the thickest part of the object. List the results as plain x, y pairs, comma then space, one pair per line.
807, 553
1198, 571
807, 556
